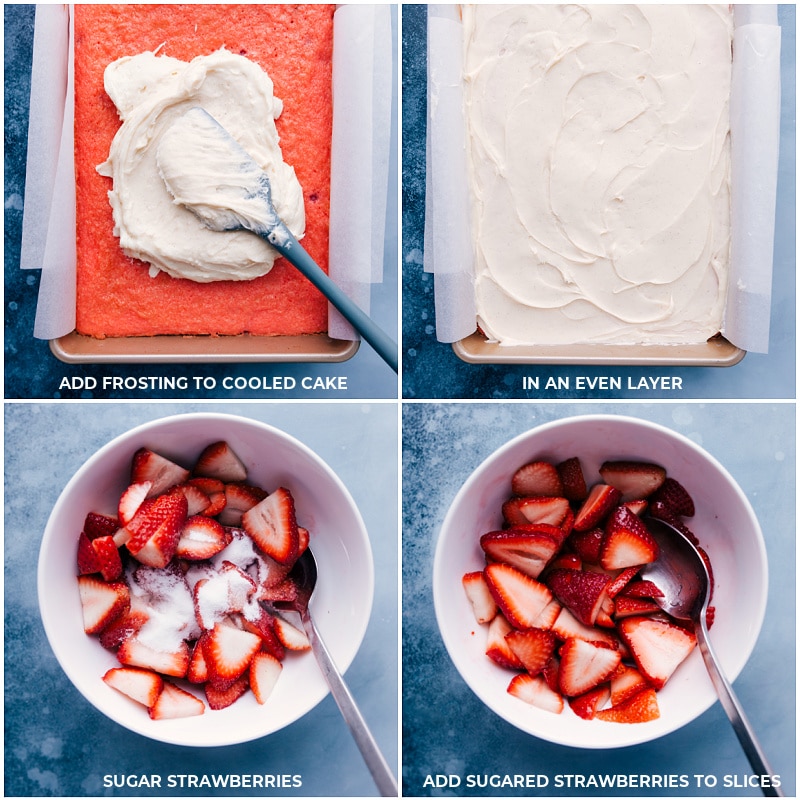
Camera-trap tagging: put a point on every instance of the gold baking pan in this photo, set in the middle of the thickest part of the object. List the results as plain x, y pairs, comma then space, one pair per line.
716, 352
74, 348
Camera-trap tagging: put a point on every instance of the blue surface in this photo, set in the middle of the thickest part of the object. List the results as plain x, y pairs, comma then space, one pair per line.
57, 744
32, 371
446, 728
432, 370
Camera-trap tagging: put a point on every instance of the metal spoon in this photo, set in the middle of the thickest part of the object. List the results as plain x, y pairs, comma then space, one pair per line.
207, 171
304, 576
681, 574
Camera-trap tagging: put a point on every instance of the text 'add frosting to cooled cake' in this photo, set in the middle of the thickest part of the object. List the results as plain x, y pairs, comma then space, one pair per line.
600, 162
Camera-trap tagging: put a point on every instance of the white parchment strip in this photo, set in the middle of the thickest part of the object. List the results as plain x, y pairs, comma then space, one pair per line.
362, 107
448, 239
755, 124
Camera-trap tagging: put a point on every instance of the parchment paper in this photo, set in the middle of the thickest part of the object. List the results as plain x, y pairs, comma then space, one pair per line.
362, 90
755, 126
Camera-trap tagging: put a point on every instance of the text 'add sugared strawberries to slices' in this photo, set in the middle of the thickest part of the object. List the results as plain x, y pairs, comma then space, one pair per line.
560, 593
173, 581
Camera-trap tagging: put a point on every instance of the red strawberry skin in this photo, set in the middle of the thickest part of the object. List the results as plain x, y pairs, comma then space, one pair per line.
272, 524
580, 591
156, 529
627, 542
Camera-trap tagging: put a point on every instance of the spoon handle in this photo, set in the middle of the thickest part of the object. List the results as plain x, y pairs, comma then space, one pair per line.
733, 709
379, 769
281, 238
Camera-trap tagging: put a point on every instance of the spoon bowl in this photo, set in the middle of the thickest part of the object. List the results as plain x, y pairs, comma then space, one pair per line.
681, 574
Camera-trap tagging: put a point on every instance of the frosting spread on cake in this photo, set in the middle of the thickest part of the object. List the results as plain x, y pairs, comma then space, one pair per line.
599, 158
151, 92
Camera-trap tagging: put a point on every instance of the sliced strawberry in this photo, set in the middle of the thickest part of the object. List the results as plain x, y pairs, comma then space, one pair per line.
567, 627
660, 511
101, 602
536, 692
131, 499
497, 647
109, 562
291, 637
550, 672
96, 525
632, 606
220, 697
585, 665
549, 614
534, 510
658, 647
627, 542
239, 497
533, 647
134, 653
122, 628
283, 592
264, 673
634, 479
528, 548
142, 685
641, 707
538, 478
175, 703
480, 598
521, 598
214, 490
87, 557
565, 561
201, 538
583, 593
675, 498
585, 705
642, 588
219, 460
197, 671
573, 480
619, 583
228, 652
160, 471
626, 682
197, 501
303, 540
601, 499
226, 591
272, 525
638, 507
587, 544
156, 529
264, 627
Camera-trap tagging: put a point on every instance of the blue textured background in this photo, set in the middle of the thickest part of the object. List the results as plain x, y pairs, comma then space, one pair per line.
446, 728
432, 370
32, 371
57, 744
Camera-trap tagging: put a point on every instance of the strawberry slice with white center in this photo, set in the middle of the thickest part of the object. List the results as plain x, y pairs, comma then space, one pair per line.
627, 542
533, 647
156, 529
264, 673
239, 497
626, 682
228, 651
160, 471
497, 647
585, 665
214, 490
641, 707
533, 510
218, 460
528, 548
582, 592
135, 653
536, 692
572, 479
201, 538
101, 602
272, 525
634, 479
538, 478
521, 598
585, 705
264, 627
291, 637
480, 598
599, 503
658, 647
131, 500
175, 703
197, 501
567, 627
633, 606
197, 671
122, 628
142, 685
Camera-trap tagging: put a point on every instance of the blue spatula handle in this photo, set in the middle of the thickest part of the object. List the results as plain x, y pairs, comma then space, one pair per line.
287, 245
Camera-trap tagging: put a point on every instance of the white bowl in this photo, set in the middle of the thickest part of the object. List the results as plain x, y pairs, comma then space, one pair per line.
341, 603
724, 522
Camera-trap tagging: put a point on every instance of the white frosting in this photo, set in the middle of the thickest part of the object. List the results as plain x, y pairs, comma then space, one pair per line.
599, 158
151, 92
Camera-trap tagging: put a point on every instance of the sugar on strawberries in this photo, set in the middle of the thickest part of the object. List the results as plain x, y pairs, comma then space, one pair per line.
173, 582
560, 595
